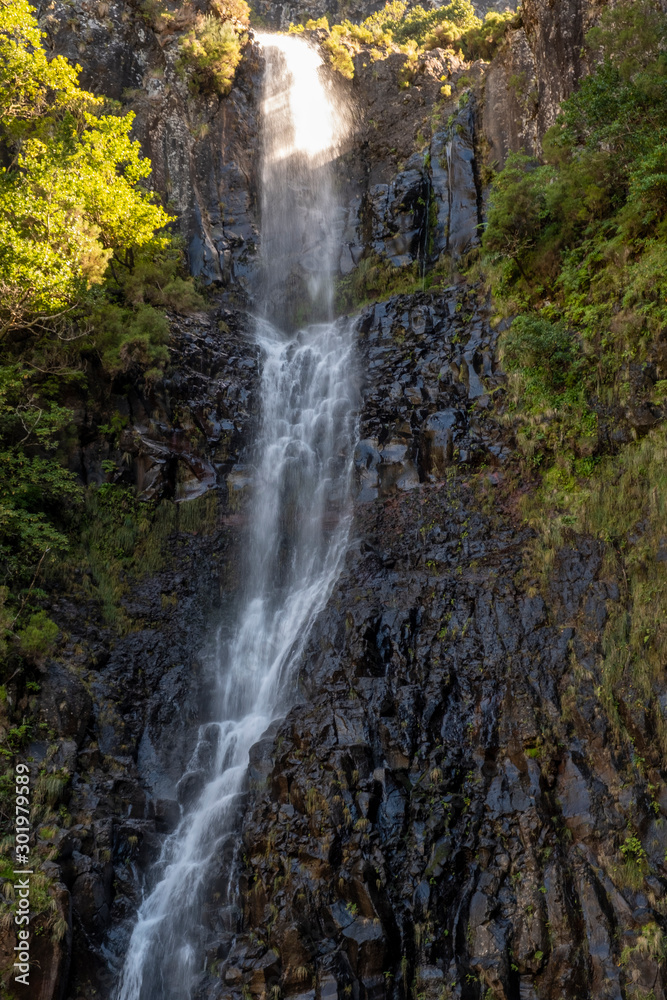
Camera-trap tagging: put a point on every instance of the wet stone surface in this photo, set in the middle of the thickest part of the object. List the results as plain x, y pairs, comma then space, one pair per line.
441, 813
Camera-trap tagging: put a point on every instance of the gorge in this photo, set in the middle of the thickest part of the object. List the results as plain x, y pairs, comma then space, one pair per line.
357, 686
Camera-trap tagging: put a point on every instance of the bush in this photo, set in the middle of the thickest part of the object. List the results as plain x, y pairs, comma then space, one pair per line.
635, 863
481, 41
72, 194
37, 639
236, 11
517, 214
395, 25
209, 55
546, 356
417, 23
338, 53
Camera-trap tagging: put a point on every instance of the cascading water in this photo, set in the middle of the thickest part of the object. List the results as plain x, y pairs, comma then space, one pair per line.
299, 522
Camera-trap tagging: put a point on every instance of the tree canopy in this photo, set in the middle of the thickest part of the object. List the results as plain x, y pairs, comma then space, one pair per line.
87, 264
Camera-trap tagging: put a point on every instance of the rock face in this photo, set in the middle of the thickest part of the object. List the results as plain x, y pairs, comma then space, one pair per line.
443, 812
539, 66
202, 149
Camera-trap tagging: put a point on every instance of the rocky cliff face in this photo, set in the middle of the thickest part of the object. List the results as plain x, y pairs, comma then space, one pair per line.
441, 816
442, 812
539, 66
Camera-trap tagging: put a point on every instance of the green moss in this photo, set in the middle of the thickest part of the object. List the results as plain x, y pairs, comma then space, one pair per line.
622, 503
373, 280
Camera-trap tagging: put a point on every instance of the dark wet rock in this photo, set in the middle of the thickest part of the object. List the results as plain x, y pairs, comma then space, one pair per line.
442, 811
65, 706
539, 65
418, 377
189, 788
445, 803
438, 441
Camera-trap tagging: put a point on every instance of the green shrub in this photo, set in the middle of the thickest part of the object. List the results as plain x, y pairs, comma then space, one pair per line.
635, 863
37, 639
516, 218
445, 35
417, 23
578, 241
71, 194
86, 270
209, 55
481, 41
131, 338
547, 359
338, 52
235, 11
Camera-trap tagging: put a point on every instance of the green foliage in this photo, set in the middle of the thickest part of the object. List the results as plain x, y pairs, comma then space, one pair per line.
517, 216
635, 863
575, 250
372, 280
86, 271
38, 637
548, 375
339, 54
117, 539
209, 55
235, 11
70, 187
388, 16
75, 213
416, 23
481, 41
375, 279
629, 36
33, 485
650, 943
579, 241
411, 30
30, 85
344, 40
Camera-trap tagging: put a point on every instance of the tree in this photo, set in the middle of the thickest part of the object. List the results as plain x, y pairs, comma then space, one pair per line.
71, 197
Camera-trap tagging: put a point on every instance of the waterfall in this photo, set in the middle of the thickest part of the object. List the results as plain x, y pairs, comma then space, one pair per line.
299, 517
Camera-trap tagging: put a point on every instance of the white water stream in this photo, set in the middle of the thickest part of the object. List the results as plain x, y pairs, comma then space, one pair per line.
299, 518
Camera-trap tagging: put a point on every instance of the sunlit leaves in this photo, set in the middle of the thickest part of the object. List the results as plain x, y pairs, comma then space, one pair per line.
70, 194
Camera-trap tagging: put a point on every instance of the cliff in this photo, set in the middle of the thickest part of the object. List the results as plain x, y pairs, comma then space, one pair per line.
448, 810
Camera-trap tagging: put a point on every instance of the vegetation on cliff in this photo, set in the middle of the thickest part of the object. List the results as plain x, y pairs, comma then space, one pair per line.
86, 267
576, 252
576, 246
211, 51
397, 27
